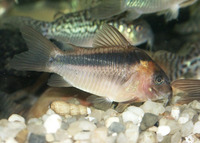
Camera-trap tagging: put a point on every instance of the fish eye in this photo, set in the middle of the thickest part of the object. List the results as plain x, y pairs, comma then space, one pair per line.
138, 28
159, 80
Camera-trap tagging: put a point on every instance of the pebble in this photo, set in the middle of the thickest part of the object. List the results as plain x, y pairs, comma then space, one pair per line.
117, 127
163, 130
10, 129
22, 136
99, 135
63, 108
132, 134
175, 112
11, 140
147, 137
183, 118
16, 118
49, 137
153, 107
176, 138
110, 120
196, 128
195, 105
173, 125
33, 138
53, 123
148, 120
79, 126
82, 136
121, 138
133, 114
187, 129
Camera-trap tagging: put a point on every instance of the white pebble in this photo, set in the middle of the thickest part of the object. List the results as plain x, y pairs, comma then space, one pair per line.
136, 110
82, 136
153, 107
110, 120
196, 128
153, 129
89, 111
175, 112
52, 123
163, 130
49, 137
176, 138
130, 116
173, 125
16, 118
186, 129
99, 135
183, 118
10, 129
79, 126
195, 105
132, 134
11, 140
147, 137
121, 138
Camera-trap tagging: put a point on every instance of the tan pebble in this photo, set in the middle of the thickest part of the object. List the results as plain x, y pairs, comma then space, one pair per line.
63, 108
22, 136
49, 137
60, 107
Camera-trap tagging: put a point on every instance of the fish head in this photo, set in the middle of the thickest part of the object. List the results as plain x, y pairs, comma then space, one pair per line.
155, 83
160, 85
139, 32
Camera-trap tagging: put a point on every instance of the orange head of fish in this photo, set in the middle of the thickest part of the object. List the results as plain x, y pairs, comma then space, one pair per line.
154, 83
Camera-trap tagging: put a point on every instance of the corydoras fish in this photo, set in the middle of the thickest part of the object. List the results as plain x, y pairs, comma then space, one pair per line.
136, 8
181, 64
79, 28
112, 69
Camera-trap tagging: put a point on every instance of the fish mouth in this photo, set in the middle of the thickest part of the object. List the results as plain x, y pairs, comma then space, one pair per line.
165, 98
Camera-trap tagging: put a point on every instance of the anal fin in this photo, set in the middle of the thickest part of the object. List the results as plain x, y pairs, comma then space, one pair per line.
99, 102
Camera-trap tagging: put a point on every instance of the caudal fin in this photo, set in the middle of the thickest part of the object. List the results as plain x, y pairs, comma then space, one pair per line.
37, 57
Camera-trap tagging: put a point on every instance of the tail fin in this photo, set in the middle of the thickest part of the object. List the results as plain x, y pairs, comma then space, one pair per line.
38, 55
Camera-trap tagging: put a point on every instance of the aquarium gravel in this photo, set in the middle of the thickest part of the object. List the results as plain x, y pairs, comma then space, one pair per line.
150, 122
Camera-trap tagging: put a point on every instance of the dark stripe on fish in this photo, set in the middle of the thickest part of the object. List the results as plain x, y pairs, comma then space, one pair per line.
103, 59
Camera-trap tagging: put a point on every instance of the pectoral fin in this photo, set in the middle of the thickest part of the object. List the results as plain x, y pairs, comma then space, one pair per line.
187, 90
57, 81
99, 102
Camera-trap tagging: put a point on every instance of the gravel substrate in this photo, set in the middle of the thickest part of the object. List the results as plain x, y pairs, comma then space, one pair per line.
150, 122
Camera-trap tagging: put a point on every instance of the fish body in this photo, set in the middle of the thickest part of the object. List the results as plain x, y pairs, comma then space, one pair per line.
79, 28
136, 8
112, 69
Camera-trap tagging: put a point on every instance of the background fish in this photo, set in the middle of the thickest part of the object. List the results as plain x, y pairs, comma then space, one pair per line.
113, 69
79, 28
181, 64
136, 8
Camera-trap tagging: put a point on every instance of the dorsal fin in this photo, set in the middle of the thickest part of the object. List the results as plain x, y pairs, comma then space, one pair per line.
109, 36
